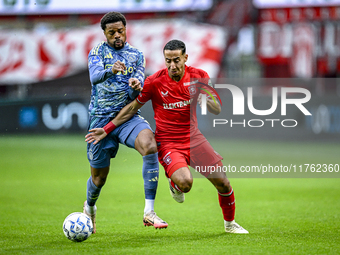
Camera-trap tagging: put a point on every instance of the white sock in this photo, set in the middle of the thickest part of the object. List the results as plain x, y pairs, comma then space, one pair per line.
149, 205
228, 223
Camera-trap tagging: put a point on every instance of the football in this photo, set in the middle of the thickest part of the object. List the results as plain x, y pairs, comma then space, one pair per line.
77, 227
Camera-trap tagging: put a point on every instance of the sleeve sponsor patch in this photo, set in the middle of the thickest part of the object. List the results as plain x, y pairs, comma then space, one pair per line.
95, 59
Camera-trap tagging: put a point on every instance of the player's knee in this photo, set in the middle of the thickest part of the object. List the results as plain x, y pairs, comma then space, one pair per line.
223, 185
99, 181
151, 148
148, 147
185, 185
146, 144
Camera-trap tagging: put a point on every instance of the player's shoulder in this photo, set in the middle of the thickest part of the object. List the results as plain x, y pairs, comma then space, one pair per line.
133, 49
98, 48
196, 72
158, 76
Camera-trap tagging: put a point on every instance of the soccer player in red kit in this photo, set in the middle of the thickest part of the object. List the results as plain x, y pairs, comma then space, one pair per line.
180, 143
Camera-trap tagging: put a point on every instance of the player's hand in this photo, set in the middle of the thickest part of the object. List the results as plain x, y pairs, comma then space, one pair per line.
118, 66
135, 84
95, 135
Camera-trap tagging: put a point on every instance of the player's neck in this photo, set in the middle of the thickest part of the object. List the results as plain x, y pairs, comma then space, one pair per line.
177, 78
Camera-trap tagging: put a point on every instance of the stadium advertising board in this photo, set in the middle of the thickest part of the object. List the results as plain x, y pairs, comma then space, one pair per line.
26, 7
44, 116
293, 3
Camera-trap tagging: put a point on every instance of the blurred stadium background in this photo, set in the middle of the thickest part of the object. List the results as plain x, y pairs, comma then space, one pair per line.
44, 84
44, 96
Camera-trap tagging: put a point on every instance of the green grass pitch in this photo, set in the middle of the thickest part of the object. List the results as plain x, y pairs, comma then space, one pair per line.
43, 179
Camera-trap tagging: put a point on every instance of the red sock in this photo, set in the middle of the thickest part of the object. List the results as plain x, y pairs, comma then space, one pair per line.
227, 203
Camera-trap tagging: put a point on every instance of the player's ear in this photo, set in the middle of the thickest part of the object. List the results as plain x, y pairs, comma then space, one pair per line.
186, 57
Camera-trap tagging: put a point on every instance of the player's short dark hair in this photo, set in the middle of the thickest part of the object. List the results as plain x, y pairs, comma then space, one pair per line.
175, 45
112, 17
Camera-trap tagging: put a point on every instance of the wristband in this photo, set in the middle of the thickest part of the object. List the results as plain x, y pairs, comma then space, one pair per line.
109, 127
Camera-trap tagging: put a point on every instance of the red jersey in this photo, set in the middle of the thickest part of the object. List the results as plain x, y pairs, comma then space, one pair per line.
176, 121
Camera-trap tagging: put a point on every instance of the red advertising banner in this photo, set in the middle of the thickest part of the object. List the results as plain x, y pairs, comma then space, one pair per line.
306, 39
27, 56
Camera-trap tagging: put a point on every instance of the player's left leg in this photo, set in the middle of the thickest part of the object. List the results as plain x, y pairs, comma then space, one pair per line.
145, 144
94, 186
99, 156
226, 199
205, 157
137, 133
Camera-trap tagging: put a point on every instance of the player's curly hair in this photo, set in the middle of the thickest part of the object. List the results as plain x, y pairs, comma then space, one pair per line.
175, 45
112, 17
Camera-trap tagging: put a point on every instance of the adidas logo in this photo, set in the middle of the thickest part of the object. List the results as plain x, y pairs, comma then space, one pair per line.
154, 179
109, 55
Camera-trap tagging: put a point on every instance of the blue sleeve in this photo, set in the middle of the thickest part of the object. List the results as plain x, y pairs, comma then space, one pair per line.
133, 94
139, 74
97, 71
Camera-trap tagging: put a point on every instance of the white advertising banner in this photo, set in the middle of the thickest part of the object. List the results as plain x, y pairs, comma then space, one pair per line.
28, 57
26, 7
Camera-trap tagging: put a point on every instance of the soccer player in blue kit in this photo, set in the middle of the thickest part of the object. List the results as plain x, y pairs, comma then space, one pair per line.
117, 76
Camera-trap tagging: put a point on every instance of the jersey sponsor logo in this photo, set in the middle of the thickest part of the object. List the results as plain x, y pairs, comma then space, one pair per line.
164, 94
126, 72
176, 105
190, 83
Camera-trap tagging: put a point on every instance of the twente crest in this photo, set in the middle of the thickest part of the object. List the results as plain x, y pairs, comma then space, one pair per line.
192, 89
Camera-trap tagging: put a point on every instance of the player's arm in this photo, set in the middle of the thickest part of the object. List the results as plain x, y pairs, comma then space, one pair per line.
97, 70
136, 83
212, 102
97, 134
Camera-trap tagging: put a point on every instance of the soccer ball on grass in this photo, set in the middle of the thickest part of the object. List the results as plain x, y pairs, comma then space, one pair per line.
77, 227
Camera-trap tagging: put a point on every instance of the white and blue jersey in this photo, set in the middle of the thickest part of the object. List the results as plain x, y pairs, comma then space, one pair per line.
111, 92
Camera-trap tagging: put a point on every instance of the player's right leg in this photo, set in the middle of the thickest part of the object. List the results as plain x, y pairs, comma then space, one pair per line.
182, 179
175, 163
180, 182
94, 186
205, 157
99, 156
